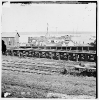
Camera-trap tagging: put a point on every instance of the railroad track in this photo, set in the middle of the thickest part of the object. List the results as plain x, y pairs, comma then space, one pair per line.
33, 64
30, 68
27, 71
37, 66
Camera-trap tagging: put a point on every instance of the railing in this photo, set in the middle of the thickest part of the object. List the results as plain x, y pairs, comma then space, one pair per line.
67, 48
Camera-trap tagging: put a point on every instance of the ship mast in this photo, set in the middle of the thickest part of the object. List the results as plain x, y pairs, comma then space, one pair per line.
47, 31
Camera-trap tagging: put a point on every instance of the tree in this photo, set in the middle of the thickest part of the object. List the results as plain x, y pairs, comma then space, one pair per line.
3, 47
93, 44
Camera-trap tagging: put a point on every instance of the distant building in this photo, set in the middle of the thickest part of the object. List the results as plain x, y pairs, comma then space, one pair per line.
68, 43
54, 40
11, 39
30, 39
67, 38
71, 43
51, 41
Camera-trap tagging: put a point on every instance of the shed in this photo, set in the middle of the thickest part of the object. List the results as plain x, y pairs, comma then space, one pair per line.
11, 39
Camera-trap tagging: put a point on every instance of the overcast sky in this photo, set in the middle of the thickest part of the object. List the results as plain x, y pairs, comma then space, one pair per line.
60, 17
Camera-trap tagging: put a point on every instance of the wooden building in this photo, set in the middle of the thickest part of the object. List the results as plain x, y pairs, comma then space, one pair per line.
11, 39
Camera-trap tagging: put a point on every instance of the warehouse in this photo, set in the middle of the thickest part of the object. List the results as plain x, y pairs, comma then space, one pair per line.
11, 39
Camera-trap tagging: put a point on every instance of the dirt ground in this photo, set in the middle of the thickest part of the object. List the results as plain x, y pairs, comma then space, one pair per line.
37, 77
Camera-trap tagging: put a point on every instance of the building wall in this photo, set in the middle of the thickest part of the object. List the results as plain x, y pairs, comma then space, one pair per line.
16, 40
64, 44
9, 42
70, 43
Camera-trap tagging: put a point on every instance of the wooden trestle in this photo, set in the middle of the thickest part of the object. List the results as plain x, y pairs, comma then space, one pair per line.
73, 55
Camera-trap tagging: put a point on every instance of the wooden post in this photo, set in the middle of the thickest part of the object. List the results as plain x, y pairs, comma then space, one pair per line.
56, 48
39, 54
68, 57
82, 48
7, 52
70, 48
59, 56
86, 58
88, 48
45, 47
61, 47
19, 54
77, 56
77, 48
34, 53
12, 53
51, 55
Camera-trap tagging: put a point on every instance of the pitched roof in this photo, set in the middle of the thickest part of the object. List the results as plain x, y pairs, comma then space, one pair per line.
9, 34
